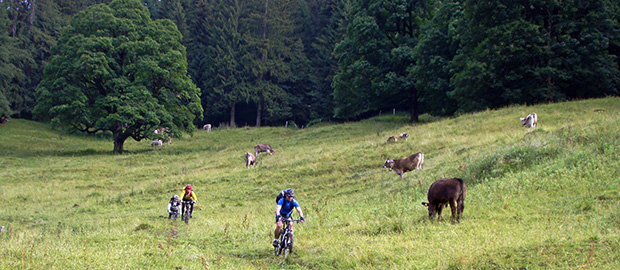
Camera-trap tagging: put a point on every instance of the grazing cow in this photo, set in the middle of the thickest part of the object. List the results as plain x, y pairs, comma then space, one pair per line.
207, 127
529, 121
157, 142
391, 139
3, 120
402, 136
446, 191
250, 160
263, 148
403, 165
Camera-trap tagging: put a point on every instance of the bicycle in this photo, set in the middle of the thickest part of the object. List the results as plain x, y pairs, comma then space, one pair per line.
173, 216
286, 237
186, 214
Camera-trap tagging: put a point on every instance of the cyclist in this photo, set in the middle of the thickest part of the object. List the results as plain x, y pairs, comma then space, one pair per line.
189, 196
173, 206
284, 208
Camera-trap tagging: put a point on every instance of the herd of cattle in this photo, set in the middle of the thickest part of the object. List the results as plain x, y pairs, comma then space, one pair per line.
443, 192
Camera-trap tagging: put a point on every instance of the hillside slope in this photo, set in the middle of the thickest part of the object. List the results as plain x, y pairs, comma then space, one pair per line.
548, 198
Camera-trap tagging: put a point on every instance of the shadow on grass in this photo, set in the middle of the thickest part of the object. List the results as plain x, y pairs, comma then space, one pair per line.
71, 153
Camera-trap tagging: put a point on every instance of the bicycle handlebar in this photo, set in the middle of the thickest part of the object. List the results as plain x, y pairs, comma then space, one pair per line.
291, 220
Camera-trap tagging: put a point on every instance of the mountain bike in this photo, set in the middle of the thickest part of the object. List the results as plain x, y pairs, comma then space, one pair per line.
173, 216
286, 237
186, 214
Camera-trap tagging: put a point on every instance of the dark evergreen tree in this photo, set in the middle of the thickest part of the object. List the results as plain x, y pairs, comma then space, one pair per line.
438, 45
516, 52
222, 77
269, 51
376, 58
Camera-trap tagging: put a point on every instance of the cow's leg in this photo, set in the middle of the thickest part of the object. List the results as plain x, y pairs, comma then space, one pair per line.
439, 209
453, 210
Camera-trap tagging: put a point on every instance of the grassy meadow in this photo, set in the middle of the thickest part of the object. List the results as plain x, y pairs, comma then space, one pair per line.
544, 199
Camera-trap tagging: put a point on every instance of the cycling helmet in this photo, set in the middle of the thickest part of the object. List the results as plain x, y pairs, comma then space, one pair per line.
175, 197
289, 192
188, 186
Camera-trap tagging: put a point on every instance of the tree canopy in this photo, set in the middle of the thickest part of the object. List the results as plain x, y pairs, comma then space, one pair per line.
114, 69
264, 62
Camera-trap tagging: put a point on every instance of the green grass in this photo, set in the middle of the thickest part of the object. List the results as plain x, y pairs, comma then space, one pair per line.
547, 199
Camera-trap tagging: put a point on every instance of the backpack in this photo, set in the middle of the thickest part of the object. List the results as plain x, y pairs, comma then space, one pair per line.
280, 196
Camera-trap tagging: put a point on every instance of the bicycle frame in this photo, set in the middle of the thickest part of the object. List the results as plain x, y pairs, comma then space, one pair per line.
286, 237
186, 206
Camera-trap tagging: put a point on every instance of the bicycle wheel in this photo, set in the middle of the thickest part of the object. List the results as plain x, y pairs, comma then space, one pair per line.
290, 243
286, 246
186, 215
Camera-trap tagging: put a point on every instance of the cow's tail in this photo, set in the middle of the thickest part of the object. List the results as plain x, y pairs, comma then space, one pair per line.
461, 200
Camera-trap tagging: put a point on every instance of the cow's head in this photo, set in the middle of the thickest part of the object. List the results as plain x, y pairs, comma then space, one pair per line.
430, 210
389, 163
404, 135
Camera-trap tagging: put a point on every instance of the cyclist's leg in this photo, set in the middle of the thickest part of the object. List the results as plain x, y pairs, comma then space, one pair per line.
276, 233
191, 209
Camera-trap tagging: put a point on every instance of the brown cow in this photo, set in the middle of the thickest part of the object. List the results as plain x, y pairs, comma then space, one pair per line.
403, 165
263, 148
250, 160
446, 191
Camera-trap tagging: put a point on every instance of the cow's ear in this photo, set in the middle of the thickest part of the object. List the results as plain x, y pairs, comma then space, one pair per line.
425, 204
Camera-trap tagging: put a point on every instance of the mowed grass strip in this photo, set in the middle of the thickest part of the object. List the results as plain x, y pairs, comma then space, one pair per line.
544, 199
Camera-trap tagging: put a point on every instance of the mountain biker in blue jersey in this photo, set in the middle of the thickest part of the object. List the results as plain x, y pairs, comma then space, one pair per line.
284, 208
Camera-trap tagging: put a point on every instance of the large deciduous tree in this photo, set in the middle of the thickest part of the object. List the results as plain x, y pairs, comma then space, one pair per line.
114, 69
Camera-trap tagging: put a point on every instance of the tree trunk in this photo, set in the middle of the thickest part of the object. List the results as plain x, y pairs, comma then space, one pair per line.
118, 145
232, 116
261, 98
119, 138
413, 104
33, 7
259, 109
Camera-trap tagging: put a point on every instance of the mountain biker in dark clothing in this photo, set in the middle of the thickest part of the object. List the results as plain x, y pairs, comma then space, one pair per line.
284, 208
174, 206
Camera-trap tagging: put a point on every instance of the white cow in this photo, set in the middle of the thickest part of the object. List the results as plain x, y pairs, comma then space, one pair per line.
529, 121
207, 127
157, 142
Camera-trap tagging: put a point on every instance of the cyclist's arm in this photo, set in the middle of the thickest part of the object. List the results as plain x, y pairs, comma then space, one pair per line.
278, 208
194, 196
301, 214
169, 205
